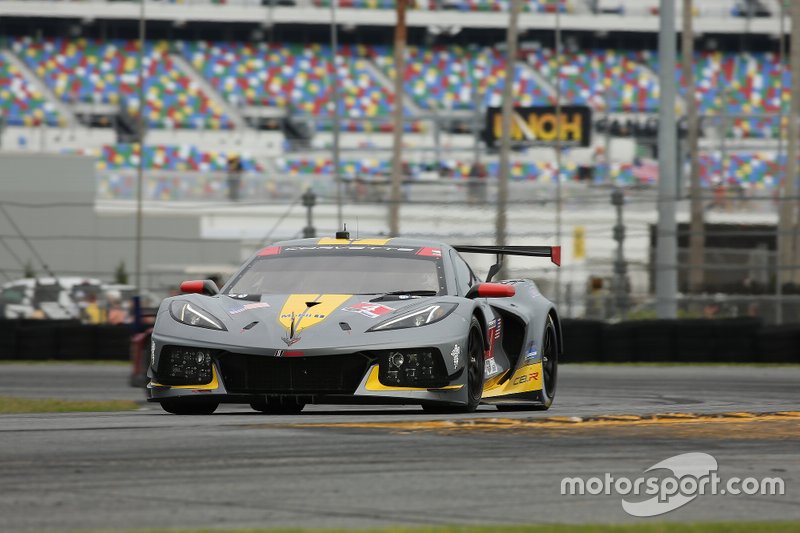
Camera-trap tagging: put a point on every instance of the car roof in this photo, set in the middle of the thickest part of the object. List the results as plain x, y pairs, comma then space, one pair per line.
364, 241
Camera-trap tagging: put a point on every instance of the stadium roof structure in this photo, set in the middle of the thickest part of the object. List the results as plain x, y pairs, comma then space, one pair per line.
374, 17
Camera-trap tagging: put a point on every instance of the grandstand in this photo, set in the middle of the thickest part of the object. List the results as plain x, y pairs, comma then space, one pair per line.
86, 86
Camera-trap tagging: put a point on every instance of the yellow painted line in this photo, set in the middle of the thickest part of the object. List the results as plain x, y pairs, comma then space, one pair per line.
210, 386
493, 424
374, 384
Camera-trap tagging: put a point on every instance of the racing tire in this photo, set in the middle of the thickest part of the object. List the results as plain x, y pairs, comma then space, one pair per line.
475, 374
181, 406
282, 408
549, 372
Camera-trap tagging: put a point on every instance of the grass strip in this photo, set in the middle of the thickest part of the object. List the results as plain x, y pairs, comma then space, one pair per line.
15, 405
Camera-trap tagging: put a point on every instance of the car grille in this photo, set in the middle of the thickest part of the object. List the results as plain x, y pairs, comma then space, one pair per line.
323, 374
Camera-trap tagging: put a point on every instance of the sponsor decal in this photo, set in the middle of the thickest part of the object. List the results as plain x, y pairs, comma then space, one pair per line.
490, 367
430, 252
369, 310
526, 378
270, 250
455, 353
353, 248
492, 334
532, 355
279, 353
298, 316
247, 307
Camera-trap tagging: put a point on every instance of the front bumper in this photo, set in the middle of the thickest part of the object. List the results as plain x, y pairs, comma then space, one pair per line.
353, 383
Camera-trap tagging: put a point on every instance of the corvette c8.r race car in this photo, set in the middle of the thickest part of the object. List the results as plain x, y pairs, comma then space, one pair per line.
358, 321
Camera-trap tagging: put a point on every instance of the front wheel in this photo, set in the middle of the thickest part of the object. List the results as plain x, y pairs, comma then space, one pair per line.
189, 406
549, 372
475, 372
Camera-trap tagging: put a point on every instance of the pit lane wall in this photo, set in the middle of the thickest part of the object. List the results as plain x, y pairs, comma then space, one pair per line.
646, 341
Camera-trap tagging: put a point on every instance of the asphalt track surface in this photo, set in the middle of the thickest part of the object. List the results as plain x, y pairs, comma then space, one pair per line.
350, 467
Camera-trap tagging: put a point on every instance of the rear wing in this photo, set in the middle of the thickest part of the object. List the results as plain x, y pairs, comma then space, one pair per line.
553, 252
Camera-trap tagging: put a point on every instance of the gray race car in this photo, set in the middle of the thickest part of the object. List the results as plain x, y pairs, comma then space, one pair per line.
368, 321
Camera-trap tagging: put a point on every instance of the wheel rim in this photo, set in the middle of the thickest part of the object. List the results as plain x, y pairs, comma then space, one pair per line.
549, 361
476, 370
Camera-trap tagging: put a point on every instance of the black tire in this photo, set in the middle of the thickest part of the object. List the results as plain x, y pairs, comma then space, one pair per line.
277, 408
475, 374
550, 351
189, 406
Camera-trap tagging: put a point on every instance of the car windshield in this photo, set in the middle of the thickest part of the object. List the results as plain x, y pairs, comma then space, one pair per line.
340, 271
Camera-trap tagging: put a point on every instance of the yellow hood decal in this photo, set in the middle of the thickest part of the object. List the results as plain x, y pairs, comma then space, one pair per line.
296, 308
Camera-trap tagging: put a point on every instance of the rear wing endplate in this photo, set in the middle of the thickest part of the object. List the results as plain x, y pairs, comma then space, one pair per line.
553, 252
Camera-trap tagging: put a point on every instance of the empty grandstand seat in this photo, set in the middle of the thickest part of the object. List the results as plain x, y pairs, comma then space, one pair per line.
106, 72
21, 104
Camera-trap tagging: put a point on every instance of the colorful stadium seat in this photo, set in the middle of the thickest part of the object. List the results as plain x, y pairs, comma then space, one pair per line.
186, 158
447, 77
21, 104
106, 72
296, 77
623, 78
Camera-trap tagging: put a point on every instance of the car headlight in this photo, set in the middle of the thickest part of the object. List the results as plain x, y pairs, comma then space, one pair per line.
192, 315
420, 317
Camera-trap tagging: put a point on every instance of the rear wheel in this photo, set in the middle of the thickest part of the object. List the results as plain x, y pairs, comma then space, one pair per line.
549, 372
475, 371
189, 406
277, 407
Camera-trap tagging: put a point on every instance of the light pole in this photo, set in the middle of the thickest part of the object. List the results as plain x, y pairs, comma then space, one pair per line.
667, 243
140, 166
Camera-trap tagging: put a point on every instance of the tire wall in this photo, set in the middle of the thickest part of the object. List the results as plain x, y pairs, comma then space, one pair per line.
63, 340
707, 341
735, 340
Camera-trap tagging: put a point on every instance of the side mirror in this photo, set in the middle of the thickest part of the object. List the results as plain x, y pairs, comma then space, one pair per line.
491, 290
200, 286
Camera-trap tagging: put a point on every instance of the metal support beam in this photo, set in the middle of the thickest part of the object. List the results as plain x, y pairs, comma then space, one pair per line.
667, 243
140, 166
505, 137
789, 205
397, 148
696, 223
337, 171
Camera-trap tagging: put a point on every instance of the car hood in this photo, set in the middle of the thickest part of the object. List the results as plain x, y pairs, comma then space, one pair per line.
295, 321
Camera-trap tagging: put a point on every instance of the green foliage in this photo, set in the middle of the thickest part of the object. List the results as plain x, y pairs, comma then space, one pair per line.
29, 271
121, 274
